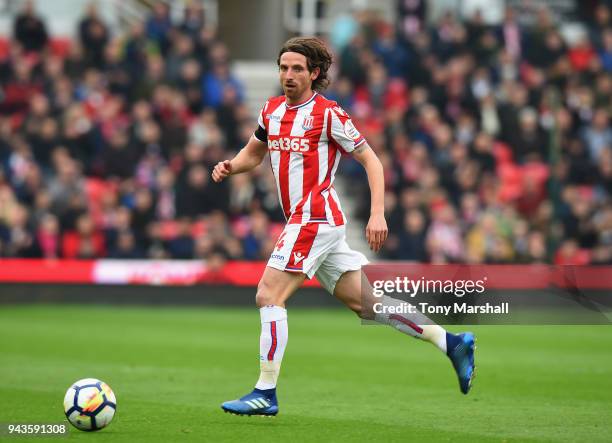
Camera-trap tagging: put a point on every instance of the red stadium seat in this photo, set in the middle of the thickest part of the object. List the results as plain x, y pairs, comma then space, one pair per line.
168, 229
199, 228
5, 46
95, 189
60, 46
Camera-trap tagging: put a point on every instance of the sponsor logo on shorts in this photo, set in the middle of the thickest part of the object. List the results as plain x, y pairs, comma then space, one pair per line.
277, 257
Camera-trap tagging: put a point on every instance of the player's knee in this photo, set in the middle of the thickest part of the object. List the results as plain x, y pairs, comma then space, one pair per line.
265, 295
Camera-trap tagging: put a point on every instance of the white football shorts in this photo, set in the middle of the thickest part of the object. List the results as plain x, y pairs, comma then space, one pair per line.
316, 249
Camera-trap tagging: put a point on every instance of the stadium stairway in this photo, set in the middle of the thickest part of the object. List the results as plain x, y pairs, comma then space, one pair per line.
260, 82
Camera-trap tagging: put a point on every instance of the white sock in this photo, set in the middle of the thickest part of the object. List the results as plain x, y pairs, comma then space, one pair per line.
272, 344
417, 325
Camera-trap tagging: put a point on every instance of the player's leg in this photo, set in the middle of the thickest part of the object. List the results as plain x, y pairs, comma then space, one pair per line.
274, 288
340, 274
355, 291
294, 258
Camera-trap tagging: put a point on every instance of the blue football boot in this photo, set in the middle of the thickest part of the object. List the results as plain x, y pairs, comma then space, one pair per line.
258, 402
460, 350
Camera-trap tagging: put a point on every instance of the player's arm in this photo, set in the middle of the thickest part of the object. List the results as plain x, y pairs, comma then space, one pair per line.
248, 158
376, 230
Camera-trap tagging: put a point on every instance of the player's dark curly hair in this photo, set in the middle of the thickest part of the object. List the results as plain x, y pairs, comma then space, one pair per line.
317, 56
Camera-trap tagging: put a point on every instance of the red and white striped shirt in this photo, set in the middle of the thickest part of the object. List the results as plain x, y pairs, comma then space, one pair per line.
305, 143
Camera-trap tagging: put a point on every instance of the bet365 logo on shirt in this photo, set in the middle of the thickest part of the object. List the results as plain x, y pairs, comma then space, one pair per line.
295, 144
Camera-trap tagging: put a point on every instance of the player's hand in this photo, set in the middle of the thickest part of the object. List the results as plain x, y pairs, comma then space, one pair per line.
376, 231
222, 170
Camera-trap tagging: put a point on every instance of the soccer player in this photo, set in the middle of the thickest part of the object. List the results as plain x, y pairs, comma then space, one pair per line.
305, 135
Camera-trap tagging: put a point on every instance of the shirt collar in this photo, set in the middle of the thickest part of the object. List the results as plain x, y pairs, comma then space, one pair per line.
299, 105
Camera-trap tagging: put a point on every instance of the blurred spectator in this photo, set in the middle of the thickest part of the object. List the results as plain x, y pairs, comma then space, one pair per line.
118, 156
218, 83
48, 237
136, 51
165, 196
29, 29
485, 242
182, 246
193, 19
511, 35
256, 236
598, 135
17, 238
19, 87
84, 242
601, 20
126, 247
143, 209
393, 55
581, 54
194, 194
94, 36
528, 142
411, 16
444, 240
605, 52
570, 254
412, 238
159, 26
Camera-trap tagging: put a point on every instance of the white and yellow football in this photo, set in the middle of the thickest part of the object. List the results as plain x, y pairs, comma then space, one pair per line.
90, 404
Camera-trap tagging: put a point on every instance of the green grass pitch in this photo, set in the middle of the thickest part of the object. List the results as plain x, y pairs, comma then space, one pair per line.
172, 367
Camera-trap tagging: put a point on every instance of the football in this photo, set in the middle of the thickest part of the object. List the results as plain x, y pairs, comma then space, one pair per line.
90, 404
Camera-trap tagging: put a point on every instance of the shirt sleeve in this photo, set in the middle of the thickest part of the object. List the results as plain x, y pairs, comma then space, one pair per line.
261, 133
343, 131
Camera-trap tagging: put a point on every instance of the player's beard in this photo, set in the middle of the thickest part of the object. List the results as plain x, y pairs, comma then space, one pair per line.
293, 92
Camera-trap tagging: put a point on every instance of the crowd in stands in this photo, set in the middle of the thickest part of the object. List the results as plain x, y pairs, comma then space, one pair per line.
107, 142
496, 140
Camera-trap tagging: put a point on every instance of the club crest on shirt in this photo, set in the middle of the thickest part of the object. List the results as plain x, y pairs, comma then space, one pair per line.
308, 123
